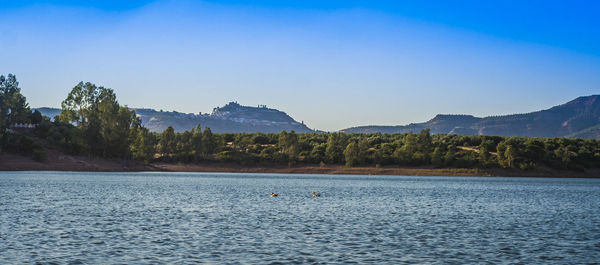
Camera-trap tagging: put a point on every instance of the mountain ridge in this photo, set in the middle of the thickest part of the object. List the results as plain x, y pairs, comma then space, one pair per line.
571, 118
231, 118
578, 118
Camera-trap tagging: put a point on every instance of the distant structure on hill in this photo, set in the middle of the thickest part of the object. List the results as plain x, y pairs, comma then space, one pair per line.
579, 118
231, 118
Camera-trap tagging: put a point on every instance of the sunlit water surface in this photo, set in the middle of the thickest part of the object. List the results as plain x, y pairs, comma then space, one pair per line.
82, 218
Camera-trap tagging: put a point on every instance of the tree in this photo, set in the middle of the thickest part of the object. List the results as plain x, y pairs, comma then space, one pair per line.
209, 143
484, 154
288, 142
143, 144
352, 154
510, 155
500, 149
317, 154
384, 155
336, 143
261, 139
80, 105
449, 157
410, 153
424, 141
437, 158
167, 144
13, 105
104, 125
197, 141
79, 108
282, 140
115, 123
184, 144
120, 139
564, 156
363, 147
36, 117
534, 150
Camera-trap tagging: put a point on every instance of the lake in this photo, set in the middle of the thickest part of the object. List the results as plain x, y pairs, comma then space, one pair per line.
180, 218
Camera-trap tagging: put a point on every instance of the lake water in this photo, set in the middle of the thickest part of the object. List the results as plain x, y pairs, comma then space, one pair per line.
180, 218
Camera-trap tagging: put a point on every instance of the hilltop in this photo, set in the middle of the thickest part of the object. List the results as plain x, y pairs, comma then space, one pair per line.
231, 118
577, 118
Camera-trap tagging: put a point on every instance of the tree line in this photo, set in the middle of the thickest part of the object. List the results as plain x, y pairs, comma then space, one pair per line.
93, 123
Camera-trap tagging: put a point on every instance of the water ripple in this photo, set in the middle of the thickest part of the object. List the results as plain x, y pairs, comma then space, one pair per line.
182, 218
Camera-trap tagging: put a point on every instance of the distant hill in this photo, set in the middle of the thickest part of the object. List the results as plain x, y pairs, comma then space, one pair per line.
577, 118
50, 112
232, 118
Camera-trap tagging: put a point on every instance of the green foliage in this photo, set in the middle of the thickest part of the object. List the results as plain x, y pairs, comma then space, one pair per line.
196, 141
24, 145
13, 105
64, 135
352, 154
437, 157
104, 127
288, 142
209, 142
142, 144
260, 138
93, 122
365, 155
167, 144
420, 149
450, 156
415, 149
336, 144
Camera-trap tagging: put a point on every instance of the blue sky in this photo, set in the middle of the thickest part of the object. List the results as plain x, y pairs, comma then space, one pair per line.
332, 64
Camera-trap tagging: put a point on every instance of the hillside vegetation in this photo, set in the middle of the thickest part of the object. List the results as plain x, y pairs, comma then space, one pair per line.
92, 123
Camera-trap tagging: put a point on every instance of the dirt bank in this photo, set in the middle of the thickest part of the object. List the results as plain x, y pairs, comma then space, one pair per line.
58, 161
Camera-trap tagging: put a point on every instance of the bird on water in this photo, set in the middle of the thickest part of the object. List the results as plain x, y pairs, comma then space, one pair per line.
273, 194
315, 194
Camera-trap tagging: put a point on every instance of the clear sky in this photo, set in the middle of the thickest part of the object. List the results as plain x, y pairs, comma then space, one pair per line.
332, 64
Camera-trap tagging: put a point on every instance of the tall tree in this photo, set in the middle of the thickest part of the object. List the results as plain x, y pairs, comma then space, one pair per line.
112, 130
80, 108
167, 141
363, 147
80, 104
197, 141
184, 143
209, 143
336, 144
142, 144
405, 154
288, 142
104, 125
13, 105
352, 154
125, 122
437, 158
450, 156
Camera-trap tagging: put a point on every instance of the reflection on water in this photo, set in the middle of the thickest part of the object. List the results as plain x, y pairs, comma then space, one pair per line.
227, 218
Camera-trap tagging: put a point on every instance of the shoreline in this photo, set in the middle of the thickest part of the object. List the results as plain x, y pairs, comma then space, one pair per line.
57, 161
